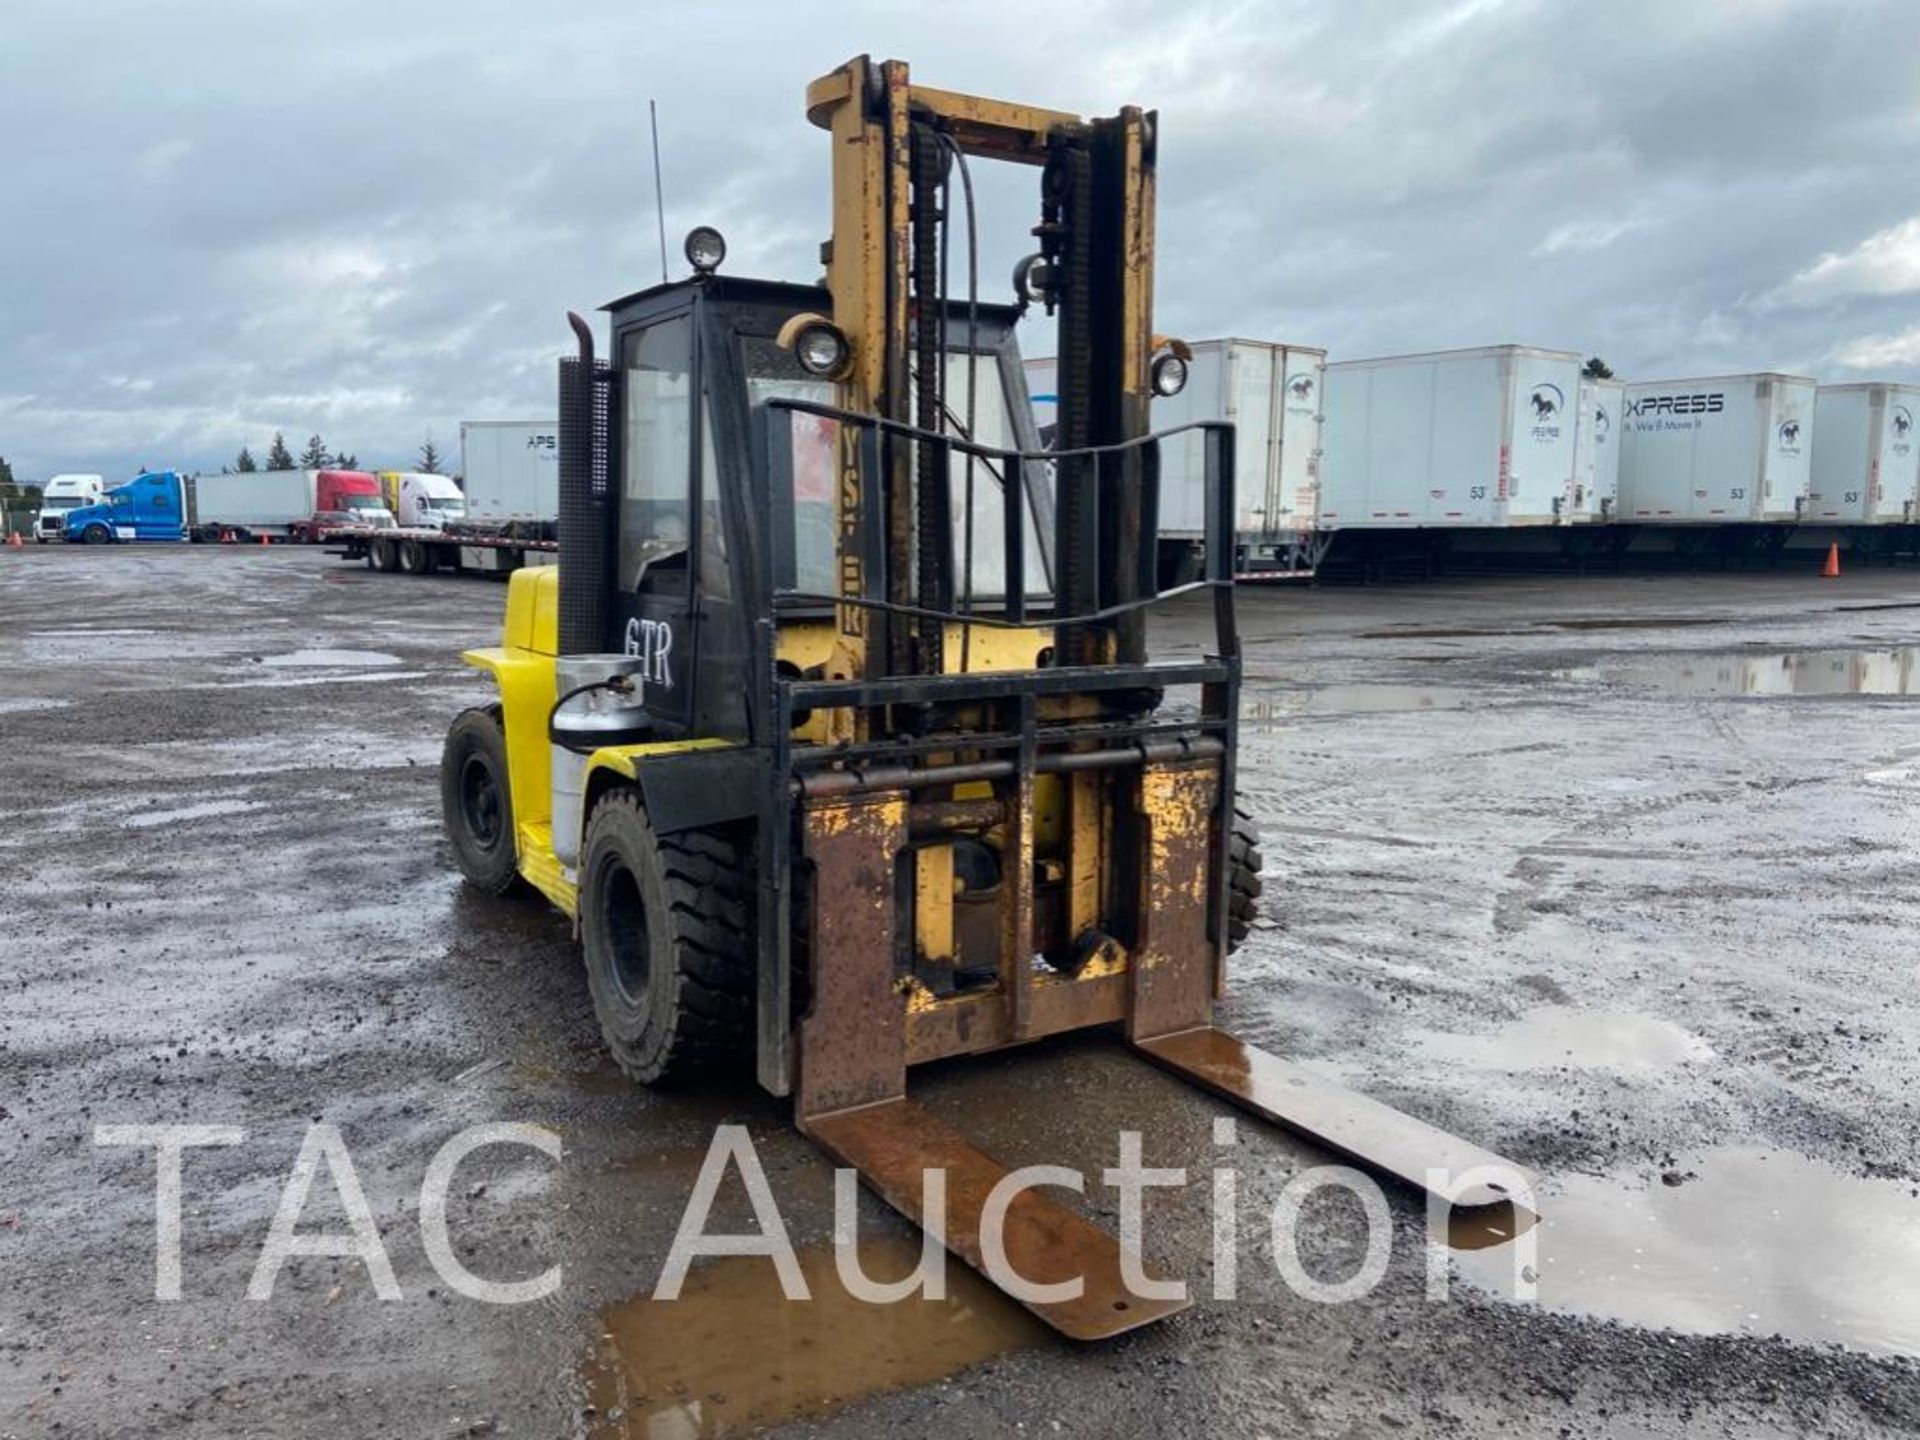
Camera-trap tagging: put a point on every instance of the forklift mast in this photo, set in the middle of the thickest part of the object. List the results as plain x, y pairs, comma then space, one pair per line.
895, 147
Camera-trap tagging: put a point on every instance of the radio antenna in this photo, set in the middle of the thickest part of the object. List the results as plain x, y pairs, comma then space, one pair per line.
659, 194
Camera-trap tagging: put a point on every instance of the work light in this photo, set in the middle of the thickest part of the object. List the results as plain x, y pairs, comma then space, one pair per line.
705, 248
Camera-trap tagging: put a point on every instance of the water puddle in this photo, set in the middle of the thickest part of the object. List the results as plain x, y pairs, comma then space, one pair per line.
1735, 1241
1604, 622
1793, 672
338, 659
29, 704
147, 819
289, 682
1275, 707
733, 1354
1557, 1036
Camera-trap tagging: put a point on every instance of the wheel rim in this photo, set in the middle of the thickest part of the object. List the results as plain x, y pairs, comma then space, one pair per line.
629, 961
480, 801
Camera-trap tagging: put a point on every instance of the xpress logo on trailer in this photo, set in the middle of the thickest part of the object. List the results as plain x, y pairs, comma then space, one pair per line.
1701, 403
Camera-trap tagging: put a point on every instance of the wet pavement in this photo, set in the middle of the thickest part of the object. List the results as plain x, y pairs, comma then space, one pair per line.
1615, 876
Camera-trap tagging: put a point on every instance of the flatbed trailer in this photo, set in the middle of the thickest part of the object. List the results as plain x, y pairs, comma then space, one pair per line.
467, 549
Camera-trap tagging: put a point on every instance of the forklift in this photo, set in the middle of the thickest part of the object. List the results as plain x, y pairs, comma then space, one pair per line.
834, 730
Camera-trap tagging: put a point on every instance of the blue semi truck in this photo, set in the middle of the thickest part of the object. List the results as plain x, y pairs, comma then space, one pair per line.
151, 506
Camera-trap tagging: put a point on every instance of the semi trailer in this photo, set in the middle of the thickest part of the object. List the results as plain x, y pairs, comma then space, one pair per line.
299, 505
1717, 450
1866, 464
1596, 451
1457, 439
511, 469
1271, 394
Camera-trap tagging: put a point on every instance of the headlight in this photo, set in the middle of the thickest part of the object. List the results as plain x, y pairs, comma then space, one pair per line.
705, 249
1033, 280
1169, 375
821, 350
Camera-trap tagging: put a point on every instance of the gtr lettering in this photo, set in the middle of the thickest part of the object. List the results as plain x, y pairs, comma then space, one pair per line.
652, 641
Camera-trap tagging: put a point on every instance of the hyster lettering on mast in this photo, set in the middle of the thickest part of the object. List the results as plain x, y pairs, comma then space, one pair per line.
835, 731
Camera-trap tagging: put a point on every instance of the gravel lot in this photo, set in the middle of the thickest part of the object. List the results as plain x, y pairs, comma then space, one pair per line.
1618, 876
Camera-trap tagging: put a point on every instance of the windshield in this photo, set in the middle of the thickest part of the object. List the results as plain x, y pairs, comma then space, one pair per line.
61, 502
773, 374
362, 502
440, 502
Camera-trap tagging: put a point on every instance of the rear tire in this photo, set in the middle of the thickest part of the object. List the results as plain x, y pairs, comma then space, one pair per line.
476, 800
416, 558
664, 925
1243, 878
383, 556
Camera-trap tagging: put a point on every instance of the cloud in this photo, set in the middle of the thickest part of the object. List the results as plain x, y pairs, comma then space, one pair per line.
380, 237
157, 162
1887, 262
1880, 352
1584, 235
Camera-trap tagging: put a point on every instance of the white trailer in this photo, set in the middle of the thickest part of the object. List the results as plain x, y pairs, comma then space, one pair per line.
1720, 450
260, 502
510, 469
1866, 457
1271, 394
1596, 451
1457, 439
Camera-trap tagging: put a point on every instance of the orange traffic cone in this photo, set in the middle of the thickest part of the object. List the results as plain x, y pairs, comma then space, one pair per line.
265, 541
14, 542
1831, 570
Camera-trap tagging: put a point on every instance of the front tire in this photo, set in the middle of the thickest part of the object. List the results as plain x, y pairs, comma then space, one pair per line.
664, 925
96, 534
1243, 878
476, 800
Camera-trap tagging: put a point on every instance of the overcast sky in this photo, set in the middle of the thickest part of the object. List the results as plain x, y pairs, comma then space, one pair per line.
367, 219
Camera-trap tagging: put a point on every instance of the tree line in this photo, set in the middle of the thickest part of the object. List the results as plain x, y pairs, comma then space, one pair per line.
317, 457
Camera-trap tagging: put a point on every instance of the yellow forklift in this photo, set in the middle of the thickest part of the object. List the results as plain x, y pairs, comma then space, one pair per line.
835, 732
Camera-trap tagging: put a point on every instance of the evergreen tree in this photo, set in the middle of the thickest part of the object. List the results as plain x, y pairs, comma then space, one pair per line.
1597, 369
244, 464
6, 472
429, 457
278, 456
343, 461
315, 456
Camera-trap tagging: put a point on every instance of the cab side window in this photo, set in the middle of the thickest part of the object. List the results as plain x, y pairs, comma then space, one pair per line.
657, 458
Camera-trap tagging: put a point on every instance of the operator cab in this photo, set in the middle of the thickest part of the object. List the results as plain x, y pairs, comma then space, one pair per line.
705, 534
